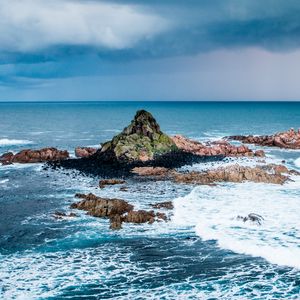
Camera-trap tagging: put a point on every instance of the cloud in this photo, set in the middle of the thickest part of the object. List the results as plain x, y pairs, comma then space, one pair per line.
32, 25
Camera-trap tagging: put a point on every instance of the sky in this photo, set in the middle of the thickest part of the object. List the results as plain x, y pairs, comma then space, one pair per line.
155, 50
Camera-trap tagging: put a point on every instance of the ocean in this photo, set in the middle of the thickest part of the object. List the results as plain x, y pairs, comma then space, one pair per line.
203, 252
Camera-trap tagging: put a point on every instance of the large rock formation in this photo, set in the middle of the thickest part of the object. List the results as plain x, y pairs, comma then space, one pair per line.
34, 156
289, 139
214, 148
141, 140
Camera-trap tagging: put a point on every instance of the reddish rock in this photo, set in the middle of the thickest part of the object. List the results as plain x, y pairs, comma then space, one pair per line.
150, 171
101, 207
140, 216
235, 173
103, 183
34, 156
260, 153
289, 139
85, 151
211, 149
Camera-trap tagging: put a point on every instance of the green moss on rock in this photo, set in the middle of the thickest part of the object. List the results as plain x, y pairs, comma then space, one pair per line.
141, 140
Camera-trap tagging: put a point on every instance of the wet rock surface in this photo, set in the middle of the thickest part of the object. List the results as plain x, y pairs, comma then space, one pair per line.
289, 139
103, 183
221, 147
165, 205
34, 156
277, 174
117, 210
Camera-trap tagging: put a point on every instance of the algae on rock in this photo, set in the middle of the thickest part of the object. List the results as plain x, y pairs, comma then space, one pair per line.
141, 140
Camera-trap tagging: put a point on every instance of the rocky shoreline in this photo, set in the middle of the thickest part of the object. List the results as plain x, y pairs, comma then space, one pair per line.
143, 151
287, 140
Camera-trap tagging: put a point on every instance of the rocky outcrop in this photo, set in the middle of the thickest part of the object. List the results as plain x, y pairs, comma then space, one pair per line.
85, 151
165, 205
142, 140
277, 174
34, 156
102, 207
117, 210
103, 183
234, 173
221, 147
289, 139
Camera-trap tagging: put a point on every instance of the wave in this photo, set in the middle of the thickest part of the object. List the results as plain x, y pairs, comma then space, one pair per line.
297, 162
13, 142
213, 212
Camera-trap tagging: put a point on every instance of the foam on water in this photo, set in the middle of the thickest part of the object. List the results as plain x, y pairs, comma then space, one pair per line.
297, 162
14, 142
212, 211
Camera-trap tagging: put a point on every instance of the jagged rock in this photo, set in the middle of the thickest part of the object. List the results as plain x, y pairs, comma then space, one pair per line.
34, 156
101, 207
166, 205
215, 148
289, 139
123, 189
103, 183
117, 210
252, 217
142, 140
61, 215
85, 151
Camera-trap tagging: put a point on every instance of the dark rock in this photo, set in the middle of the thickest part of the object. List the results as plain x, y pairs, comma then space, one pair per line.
103, 183
166, 205
251, 217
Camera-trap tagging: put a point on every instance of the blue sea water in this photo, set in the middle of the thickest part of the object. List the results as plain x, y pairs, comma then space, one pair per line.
202, 253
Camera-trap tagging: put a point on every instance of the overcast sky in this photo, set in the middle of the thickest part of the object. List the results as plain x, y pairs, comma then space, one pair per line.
149, 50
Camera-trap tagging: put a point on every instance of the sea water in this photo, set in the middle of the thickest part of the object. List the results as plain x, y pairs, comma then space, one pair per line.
202, 253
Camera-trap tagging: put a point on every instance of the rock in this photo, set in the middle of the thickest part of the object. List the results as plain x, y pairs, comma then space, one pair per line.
289, 139
260, 153
117, 210
61, 215
103, 183
150, 171
101, 207
116, 222
234, 173
140, 216
124, 189
142, 140
252, 217
6, 158
211, 149
85, 151
166, 205
34, 156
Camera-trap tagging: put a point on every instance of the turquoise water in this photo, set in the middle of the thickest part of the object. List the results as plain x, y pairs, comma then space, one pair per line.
201, 254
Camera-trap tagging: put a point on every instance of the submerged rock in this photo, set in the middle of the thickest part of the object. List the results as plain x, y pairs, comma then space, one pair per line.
166, 205
255, 218
289, 139
103, 183
34, 156
142, 140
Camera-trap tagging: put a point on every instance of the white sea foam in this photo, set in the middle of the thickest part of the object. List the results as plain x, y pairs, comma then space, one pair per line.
4, 181
212, 211
297, 162
14, 142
